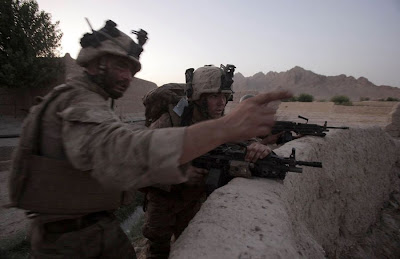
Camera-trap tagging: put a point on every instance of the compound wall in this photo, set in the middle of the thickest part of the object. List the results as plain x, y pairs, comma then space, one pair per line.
319, 213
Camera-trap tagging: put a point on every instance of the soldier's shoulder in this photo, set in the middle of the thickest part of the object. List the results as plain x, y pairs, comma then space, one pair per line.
84, 105
163, 122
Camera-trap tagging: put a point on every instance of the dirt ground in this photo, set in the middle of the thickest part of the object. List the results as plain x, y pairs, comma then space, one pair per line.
12, 221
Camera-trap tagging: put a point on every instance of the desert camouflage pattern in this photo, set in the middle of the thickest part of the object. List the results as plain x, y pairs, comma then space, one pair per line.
167, 215
158, 100
81, 128
169, 208
102, 239
95, 139
163, 122
207, 79
119, 46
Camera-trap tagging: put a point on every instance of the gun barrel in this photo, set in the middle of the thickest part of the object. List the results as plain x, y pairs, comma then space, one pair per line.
295, 169
312, 164
337, 127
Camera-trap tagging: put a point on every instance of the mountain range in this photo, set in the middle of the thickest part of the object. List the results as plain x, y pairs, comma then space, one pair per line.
299, 81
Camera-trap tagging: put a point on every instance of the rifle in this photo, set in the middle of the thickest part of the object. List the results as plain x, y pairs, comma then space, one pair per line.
303, 129
228, 157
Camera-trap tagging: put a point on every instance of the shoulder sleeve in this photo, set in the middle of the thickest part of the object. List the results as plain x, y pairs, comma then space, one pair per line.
163, 122
95, 139
89, 114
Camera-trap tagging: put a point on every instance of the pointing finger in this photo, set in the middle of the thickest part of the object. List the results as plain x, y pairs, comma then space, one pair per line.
271, 96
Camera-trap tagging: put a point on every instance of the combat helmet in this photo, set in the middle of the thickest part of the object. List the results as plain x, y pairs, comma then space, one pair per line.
209, 79
110, 40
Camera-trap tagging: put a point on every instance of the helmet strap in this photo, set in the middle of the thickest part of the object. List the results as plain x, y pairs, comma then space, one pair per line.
189, 82
187, 115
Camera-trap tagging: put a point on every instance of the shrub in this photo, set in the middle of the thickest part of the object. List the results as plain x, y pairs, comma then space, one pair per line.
305, 98
292, 99
364, 99
392, 99
341, 100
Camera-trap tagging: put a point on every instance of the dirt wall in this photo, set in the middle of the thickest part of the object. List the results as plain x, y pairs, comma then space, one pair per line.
319, 213
360, 113
16, 102
393, 128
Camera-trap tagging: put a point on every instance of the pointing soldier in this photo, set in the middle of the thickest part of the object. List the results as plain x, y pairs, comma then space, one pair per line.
76, 160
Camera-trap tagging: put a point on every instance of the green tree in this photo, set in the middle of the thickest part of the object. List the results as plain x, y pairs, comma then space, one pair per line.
341, 100
28, 45
305, 98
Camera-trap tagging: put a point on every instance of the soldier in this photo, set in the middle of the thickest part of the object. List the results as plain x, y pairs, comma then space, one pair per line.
169, 208
76, 160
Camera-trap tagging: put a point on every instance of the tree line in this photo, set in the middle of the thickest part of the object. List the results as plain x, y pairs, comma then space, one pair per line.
29, 43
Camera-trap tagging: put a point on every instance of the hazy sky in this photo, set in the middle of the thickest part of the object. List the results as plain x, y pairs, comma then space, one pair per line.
329, 37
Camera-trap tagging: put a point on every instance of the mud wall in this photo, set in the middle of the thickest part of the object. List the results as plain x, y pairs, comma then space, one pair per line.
16, 102
393, 128
319, 213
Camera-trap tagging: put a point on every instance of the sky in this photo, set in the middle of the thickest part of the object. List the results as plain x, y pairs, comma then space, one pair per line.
329, 37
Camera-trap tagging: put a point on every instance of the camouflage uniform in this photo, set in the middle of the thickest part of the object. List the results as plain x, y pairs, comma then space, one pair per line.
169, 208
82, 129
77, 162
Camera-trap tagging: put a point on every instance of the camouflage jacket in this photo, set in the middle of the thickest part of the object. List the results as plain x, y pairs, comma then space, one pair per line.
80, 127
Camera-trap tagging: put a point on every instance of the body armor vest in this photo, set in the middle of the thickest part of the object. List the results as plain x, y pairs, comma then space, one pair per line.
46, 185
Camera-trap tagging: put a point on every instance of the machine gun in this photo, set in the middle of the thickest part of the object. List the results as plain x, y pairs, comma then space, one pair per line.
227, 160
302, 129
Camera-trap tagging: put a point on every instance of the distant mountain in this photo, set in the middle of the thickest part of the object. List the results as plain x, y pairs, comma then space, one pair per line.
299, 80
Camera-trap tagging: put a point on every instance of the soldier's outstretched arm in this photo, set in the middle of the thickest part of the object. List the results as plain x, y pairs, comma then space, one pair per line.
95, 140
251, 118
